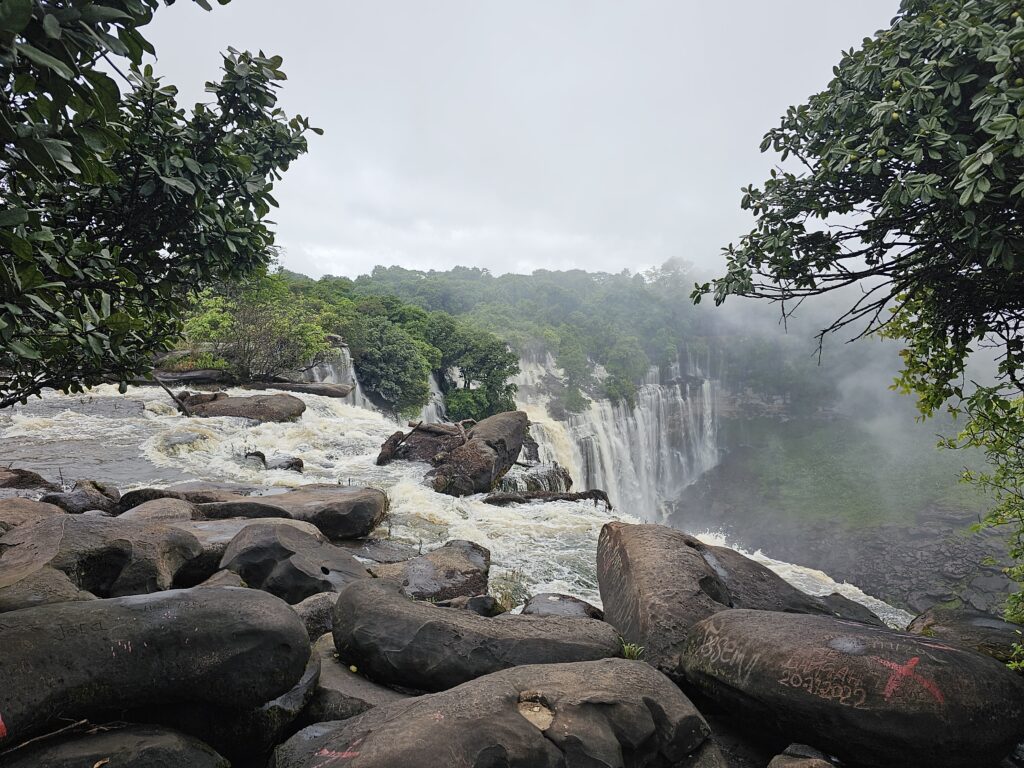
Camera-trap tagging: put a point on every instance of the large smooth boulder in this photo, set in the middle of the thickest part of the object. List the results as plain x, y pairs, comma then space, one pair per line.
214, 536
25, 480
197, 493
341, 693
457, 569
657, 582
84, 496
41, 587
611, 714
317, 613
982, 632
491, 449
105, 556
290, 563
868, 695
226, 647
247, 736
129, 746
260, 408
340, 512
398, 641
17, 511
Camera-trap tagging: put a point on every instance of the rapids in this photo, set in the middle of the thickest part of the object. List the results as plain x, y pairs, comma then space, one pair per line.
138, 439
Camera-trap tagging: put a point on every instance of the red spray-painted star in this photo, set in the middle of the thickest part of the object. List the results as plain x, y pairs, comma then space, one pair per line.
902, 672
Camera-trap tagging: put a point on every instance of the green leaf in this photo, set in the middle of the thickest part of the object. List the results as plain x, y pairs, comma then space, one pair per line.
183, 184
15, 15
108, 96
24, 350
44, 59
94, 12
51, 26
13, 216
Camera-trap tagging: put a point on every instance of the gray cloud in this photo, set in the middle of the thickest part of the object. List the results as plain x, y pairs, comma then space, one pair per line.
521, 135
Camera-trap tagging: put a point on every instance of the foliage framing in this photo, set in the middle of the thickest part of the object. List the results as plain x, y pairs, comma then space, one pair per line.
114, 210
912, 187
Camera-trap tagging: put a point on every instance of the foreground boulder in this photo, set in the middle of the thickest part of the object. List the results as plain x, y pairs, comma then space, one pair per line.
979, 631
290, 563
260, 408
869, 696
657, 582
491, 449
245, 736
341, 512
610, 713
86, 495
145, 746
457, 569
554, 604
233, 648
104, 556
398, 641
162, 511
341, 693
17, 511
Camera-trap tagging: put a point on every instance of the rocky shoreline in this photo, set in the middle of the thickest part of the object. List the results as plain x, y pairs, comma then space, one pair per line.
197, 625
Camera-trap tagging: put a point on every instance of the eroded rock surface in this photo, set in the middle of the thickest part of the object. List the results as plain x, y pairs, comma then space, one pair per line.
457, 569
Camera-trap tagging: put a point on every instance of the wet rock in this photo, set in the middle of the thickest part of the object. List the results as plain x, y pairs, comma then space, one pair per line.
600, 713
317, 612
195, 376
247, 736
542, 478
17, 511
234, 648
322, 389
398, 641
553, 604
105, 556
868, 695
492, 448
341, 512
144, 746
197, 493
24, 480
379, 550
969, 628
482, 605
657, 582
801, 756
457, 569
340, 692
85, 495
260, 408
163, 511
214, 537
40, 587
223, 579
288, 463
289, 563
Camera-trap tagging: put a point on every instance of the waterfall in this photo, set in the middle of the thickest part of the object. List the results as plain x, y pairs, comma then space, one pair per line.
338, 368
433, 412
642, 456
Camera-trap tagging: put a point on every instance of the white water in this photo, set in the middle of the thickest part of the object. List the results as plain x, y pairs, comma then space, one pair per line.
551, 546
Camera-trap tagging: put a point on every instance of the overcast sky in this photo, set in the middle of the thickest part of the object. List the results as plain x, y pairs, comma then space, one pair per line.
521, 135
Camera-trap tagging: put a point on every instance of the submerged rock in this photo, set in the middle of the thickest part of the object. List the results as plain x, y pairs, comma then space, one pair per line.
260, 408
234, 648
105, 556
341, 693
457, 569
84, 496
144, 746
599, 713
553, 604
657, 582
868, 695
973, 629
398, 641
289, 563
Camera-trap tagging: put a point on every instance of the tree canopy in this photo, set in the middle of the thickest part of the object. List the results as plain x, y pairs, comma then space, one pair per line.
906, 179
114, 208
